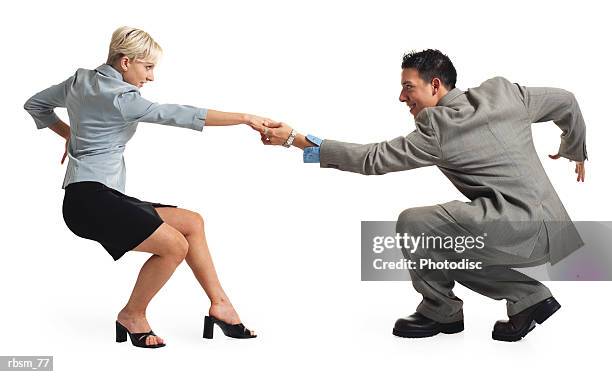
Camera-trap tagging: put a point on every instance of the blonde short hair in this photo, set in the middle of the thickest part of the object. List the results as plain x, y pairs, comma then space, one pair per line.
133, 43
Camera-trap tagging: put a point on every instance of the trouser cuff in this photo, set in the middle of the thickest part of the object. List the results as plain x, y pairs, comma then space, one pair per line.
436, 316
519, 306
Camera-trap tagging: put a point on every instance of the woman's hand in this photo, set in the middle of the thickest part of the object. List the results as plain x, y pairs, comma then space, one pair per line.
258, 123
222, 118
65, 150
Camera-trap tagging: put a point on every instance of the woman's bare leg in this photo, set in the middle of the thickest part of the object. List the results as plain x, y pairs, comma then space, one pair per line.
191, 225
169, 248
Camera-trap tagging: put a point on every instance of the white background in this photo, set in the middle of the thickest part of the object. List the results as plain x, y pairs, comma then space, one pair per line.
284, 235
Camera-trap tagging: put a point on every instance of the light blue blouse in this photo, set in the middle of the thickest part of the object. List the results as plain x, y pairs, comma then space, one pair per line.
104, 112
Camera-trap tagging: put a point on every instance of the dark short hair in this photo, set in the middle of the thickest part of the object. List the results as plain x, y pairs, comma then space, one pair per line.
431, 63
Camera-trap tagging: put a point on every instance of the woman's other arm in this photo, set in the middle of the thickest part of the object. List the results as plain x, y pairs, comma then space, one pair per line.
61, 129
42, 104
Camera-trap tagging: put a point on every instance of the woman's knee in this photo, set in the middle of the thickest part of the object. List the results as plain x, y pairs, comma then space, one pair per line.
166, 241
194, 223
198, 221
179, 248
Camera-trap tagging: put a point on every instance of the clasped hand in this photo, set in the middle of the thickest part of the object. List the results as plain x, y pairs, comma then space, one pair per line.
270, 131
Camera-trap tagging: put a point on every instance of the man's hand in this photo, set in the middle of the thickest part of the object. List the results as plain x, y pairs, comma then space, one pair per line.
275, 133
579, 170
65, 150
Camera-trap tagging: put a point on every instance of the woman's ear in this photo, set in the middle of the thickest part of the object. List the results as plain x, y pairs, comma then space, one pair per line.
123, 63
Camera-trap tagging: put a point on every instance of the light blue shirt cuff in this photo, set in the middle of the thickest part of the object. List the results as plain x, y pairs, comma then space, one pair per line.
313, 154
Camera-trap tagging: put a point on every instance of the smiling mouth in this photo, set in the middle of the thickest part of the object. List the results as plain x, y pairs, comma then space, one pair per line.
412, 106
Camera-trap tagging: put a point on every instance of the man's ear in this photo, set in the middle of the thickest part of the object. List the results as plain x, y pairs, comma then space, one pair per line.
435, 85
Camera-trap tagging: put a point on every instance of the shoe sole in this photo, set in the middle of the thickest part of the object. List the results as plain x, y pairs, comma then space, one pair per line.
445, 328
539, 316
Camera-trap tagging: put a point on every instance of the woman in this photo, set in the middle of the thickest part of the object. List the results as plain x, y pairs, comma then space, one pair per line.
104, 106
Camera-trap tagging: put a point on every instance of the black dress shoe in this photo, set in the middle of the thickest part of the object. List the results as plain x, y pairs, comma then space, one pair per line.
522, 323
418, 326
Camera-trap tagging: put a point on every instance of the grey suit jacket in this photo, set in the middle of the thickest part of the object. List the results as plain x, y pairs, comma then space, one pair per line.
481, 140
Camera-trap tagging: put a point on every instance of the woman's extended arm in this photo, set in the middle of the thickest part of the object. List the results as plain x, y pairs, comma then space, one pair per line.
221, 118
135, 108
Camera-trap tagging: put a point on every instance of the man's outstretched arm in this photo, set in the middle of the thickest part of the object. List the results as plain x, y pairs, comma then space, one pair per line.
417, 149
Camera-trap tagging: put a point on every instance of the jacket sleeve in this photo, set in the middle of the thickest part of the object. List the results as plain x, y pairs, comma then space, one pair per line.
560, 106
135, 108
418, 149
42, 104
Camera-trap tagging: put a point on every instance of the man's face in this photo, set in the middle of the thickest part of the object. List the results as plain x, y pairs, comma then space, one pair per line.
416, 93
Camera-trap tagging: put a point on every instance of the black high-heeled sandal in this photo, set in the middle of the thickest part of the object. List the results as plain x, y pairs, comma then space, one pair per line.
232, 331
138, 339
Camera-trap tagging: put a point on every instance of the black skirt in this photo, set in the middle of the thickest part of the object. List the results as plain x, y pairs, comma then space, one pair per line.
118, 222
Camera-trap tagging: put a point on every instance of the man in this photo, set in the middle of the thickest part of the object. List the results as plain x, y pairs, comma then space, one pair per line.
481, 141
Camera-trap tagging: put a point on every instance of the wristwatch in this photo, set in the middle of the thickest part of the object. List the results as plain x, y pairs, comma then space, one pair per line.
290, 139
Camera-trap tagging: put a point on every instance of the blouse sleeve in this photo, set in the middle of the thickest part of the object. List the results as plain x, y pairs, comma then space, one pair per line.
135, 108
42, 104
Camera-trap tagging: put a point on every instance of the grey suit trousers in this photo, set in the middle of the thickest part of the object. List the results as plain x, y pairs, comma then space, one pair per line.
496, 280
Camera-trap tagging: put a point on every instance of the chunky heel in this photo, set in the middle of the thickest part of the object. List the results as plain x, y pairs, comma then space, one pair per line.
208, 327
120, 333
550, 307
232, 331
520, 324
451, 328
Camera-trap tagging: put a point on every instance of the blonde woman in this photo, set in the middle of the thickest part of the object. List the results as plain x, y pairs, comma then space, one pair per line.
104, 106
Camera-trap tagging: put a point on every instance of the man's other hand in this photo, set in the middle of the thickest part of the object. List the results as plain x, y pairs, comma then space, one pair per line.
579, 170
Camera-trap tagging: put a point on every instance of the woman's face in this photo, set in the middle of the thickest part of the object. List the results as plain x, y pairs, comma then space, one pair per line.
136, 72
